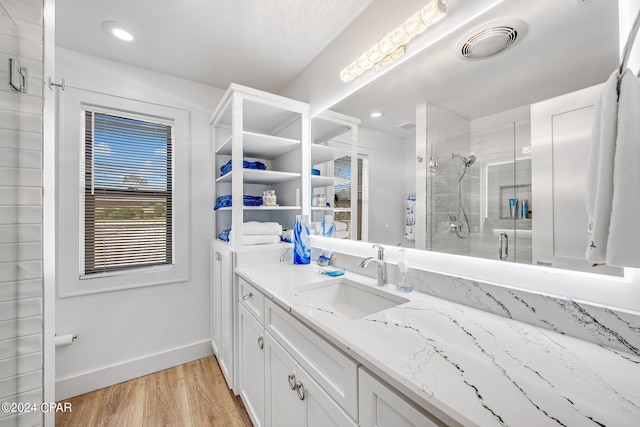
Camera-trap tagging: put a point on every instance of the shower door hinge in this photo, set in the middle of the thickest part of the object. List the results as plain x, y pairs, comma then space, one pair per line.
17, 76
62, 85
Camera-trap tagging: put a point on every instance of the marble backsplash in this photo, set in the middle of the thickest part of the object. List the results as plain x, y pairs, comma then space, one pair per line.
618, 330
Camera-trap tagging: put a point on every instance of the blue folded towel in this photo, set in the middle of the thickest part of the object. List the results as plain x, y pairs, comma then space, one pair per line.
224, 235
315, 172
225, 201
245, 164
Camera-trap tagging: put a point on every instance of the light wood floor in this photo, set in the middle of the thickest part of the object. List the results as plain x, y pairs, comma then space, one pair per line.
194, 394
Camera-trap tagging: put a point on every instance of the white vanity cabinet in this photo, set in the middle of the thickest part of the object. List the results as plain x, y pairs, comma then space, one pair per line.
221, 280
293, 398
381, 406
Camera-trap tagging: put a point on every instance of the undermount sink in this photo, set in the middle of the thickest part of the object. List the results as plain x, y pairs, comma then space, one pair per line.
349, 299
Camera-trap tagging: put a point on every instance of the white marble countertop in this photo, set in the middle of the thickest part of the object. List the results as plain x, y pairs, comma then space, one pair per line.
472, 366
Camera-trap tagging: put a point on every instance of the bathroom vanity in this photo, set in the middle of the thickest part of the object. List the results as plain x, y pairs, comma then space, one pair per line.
342, 351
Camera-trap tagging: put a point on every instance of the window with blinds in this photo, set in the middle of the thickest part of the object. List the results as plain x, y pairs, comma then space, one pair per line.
128, 193
342, 194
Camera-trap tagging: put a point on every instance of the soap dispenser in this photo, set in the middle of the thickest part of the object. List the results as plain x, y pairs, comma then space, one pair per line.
403, 266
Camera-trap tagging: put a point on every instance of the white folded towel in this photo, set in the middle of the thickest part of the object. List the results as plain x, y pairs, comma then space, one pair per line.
341, 226
342, 234
624, 232
600, 169
256, 227
259, 239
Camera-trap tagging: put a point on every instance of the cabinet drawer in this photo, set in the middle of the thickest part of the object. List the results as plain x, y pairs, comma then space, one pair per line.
336, 373
251, 299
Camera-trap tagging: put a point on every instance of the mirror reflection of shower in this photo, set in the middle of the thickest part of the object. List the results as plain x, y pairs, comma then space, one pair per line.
455, 222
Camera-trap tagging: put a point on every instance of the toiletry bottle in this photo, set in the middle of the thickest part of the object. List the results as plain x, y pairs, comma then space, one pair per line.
328, 226
301, 241
524, 207
513, 206
403, 266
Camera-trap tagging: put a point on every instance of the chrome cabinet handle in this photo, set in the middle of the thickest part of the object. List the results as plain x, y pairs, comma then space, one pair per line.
247, 296
218, 256
292, 381
300, 390
260, 343
503, 251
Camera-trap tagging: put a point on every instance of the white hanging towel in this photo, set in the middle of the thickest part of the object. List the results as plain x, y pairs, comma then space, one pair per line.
623, 245
600, 169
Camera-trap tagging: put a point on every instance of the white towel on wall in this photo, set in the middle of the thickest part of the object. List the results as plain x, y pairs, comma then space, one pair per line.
341, 226
623, 245
342, 234
600, 169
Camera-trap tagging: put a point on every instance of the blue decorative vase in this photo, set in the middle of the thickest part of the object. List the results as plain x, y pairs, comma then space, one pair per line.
301, 241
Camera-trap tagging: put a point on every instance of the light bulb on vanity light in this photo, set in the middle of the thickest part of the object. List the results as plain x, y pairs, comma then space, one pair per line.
392, 46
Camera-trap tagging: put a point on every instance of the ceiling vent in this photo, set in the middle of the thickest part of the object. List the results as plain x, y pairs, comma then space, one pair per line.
407, 125
489, 41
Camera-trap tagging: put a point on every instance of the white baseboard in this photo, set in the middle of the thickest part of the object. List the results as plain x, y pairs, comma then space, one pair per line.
100, 378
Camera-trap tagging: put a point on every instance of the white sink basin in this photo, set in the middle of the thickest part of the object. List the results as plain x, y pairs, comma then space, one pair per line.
349, 299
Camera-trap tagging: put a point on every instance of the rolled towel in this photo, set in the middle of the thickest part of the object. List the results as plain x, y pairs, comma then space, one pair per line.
342, 234
257, 227
341, 226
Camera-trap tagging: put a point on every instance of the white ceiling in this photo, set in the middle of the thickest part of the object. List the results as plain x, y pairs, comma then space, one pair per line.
265, 44
259, 43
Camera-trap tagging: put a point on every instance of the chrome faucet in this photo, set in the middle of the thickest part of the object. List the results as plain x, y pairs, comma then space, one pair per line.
383, 279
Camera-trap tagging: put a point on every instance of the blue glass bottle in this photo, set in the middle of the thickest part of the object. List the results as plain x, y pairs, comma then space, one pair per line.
301, 241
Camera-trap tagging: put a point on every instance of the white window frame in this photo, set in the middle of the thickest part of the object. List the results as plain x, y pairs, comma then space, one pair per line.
70, 193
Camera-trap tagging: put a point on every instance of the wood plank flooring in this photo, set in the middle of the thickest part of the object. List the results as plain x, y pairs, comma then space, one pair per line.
193, 394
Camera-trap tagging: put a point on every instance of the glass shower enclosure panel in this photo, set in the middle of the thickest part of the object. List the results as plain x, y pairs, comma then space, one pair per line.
479, 195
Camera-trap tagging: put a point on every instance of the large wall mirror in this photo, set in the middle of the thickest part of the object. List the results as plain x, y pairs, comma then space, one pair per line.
496, 165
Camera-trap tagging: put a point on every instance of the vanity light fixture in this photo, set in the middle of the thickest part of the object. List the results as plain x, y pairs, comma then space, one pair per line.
393, 45
119, 31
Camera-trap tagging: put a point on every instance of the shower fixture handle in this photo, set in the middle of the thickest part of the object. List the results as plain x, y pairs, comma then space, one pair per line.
503, 250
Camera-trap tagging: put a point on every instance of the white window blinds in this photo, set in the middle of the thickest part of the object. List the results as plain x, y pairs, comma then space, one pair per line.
128, 193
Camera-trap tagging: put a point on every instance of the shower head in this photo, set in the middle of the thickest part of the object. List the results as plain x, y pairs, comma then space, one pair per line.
466, 161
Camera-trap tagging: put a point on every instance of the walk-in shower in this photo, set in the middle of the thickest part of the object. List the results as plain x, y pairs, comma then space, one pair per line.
455, 222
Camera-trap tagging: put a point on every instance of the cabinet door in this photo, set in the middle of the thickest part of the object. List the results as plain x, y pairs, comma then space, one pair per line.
380, 406
318, 408
282, 404
225, 357
216, 301
221, 311
251, 365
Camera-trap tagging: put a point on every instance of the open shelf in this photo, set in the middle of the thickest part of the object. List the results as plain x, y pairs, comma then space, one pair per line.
256, 176
261, 146
326, 181
322, 153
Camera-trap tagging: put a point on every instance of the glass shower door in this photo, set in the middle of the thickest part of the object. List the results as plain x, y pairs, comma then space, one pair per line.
479, 195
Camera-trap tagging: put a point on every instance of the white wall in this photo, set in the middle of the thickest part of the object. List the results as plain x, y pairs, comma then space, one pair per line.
387, 184
127, 333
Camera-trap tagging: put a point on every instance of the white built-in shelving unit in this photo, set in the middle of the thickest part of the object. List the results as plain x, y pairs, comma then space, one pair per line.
253, 125
334, 136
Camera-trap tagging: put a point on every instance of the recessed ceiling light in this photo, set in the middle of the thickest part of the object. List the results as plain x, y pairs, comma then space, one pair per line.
120, 31
375, 114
